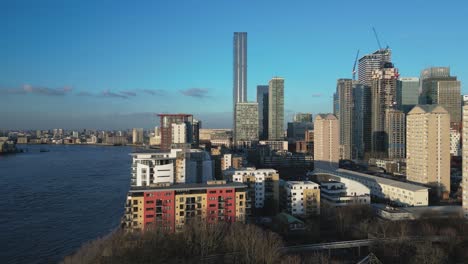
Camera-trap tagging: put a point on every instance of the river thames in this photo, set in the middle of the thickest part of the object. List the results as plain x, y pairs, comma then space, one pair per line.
53, 202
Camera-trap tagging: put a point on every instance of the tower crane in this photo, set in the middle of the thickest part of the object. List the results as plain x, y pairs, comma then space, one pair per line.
354, 67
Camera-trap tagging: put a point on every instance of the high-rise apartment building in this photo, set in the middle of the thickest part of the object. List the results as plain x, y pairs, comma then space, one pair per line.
407, 93
239, 89
170, 207
361, 120
372, 62
344, 89
262, 100
166, 121
179, 133
428, 146
137, 136
395, 131
246, 126
276, 109
465, 163
326, 140
438, 87
383, 94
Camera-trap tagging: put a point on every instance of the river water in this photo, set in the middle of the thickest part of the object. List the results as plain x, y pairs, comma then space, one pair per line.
53, 202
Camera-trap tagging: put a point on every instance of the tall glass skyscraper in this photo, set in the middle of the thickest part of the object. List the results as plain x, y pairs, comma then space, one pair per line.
240, 68
262, 100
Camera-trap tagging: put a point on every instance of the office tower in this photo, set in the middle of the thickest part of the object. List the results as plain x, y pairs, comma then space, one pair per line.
407, 93
361, 120
465, 164
438, 87
428, 146
262, 100
303, 117
246, 126
371, 62
137, 136
262, 188
197, 124
301, 198
395, 131
383, 94
166, 121
276, 109
344, 89
169, 208
326, 140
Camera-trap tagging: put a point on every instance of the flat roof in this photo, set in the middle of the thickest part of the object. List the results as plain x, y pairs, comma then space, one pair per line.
187, 186
393, 183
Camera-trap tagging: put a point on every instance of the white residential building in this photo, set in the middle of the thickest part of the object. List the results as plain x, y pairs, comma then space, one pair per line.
226, 163
342, 192
174, 166
302, 198
179, 133
263, 184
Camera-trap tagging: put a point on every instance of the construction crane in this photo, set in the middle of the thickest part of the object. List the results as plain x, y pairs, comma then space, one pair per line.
377, 38
354, 67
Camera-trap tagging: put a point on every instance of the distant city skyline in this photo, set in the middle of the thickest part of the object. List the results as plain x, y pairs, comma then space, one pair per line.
114, 66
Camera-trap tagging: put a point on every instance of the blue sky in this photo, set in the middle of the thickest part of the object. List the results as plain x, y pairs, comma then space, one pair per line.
113, 64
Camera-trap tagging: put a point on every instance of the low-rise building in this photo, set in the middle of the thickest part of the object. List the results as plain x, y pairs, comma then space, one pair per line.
170, 207
275, 145
400, 193
343, 192
22, 140
301, 198
263, 187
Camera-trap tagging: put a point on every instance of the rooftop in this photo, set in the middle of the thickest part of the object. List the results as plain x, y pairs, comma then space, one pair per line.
187, 186
393, 183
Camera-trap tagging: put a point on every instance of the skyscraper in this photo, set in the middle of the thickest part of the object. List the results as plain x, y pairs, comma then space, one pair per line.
344, 89
240, 68
262, 100
246, 126
383, 93
371, 62
428, 146
407, 93
438, 87
276, 109
395, 131
465, 163
361, 120
326, 140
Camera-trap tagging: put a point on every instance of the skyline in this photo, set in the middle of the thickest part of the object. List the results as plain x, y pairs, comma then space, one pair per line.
78, 66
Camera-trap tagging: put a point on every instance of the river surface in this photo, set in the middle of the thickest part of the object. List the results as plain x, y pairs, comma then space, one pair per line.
53, 202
